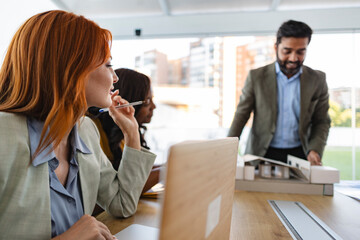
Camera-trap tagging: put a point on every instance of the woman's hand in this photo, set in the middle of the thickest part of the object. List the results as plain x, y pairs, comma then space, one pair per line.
87, 228
124, 118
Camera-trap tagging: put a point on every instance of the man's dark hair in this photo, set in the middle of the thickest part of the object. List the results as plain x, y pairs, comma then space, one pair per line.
294, 29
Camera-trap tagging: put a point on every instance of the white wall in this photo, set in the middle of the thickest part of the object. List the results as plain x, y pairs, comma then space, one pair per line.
230, 24
13, 14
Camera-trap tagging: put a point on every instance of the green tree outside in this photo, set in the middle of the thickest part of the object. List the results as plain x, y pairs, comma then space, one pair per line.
341, 157
341, 117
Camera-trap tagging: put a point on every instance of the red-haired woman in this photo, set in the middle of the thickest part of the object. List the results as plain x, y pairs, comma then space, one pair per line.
52, 168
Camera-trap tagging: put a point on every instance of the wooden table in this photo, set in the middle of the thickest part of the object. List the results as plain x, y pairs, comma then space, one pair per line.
253, 217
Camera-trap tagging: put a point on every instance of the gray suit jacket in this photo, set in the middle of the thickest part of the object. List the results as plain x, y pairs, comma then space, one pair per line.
24, 189
259, 96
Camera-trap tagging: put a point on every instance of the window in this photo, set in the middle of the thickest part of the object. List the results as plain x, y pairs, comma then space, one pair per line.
197, 84
338, 55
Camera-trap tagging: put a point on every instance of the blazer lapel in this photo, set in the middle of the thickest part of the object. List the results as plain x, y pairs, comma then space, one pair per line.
270, 76
306, 89
88, 180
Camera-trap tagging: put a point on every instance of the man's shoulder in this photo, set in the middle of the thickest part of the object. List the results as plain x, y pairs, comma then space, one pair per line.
265, 68
313, 73
263, 72
311, 70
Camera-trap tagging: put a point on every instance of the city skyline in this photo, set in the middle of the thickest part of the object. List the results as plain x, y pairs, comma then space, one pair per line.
203, 66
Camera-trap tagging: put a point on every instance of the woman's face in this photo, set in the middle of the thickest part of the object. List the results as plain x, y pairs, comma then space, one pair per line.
99, 85
146, 111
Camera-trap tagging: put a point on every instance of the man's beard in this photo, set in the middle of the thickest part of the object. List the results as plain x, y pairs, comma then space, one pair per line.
289, 71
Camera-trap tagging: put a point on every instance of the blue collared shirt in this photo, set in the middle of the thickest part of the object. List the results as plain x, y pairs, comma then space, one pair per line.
65, 201
288, 101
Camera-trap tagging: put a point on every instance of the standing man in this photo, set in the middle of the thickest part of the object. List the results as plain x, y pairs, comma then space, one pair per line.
290, 102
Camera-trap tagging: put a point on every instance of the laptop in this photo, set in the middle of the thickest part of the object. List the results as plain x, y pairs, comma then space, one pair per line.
199, 190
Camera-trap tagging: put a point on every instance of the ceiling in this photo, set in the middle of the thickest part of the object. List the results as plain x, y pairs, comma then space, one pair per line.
188, 18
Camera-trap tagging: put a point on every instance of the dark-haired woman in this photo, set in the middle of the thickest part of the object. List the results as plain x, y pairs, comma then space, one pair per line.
132, 86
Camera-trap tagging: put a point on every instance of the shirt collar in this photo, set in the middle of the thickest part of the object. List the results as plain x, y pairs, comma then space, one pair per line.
35, 127
278, 71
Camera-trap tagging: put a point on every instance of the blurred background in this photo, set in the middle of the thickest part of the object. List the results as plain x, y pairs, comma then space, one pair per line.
198, 54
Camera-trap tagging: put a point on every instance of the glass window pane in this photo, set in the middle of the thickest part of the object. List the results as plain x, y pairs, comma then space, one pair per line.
197, 84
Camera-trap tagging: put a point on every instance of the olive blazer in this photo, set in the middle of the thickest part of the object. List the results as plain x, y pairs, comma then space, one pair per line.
259, 96
24, 189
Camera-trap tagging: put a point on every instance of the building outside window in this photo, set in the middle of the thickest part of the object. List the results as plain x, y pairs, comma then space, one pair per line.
197, 84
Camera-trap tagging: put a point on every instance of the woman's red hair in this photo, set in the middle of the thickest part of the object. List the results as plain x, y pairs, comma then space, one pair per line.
46, 67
